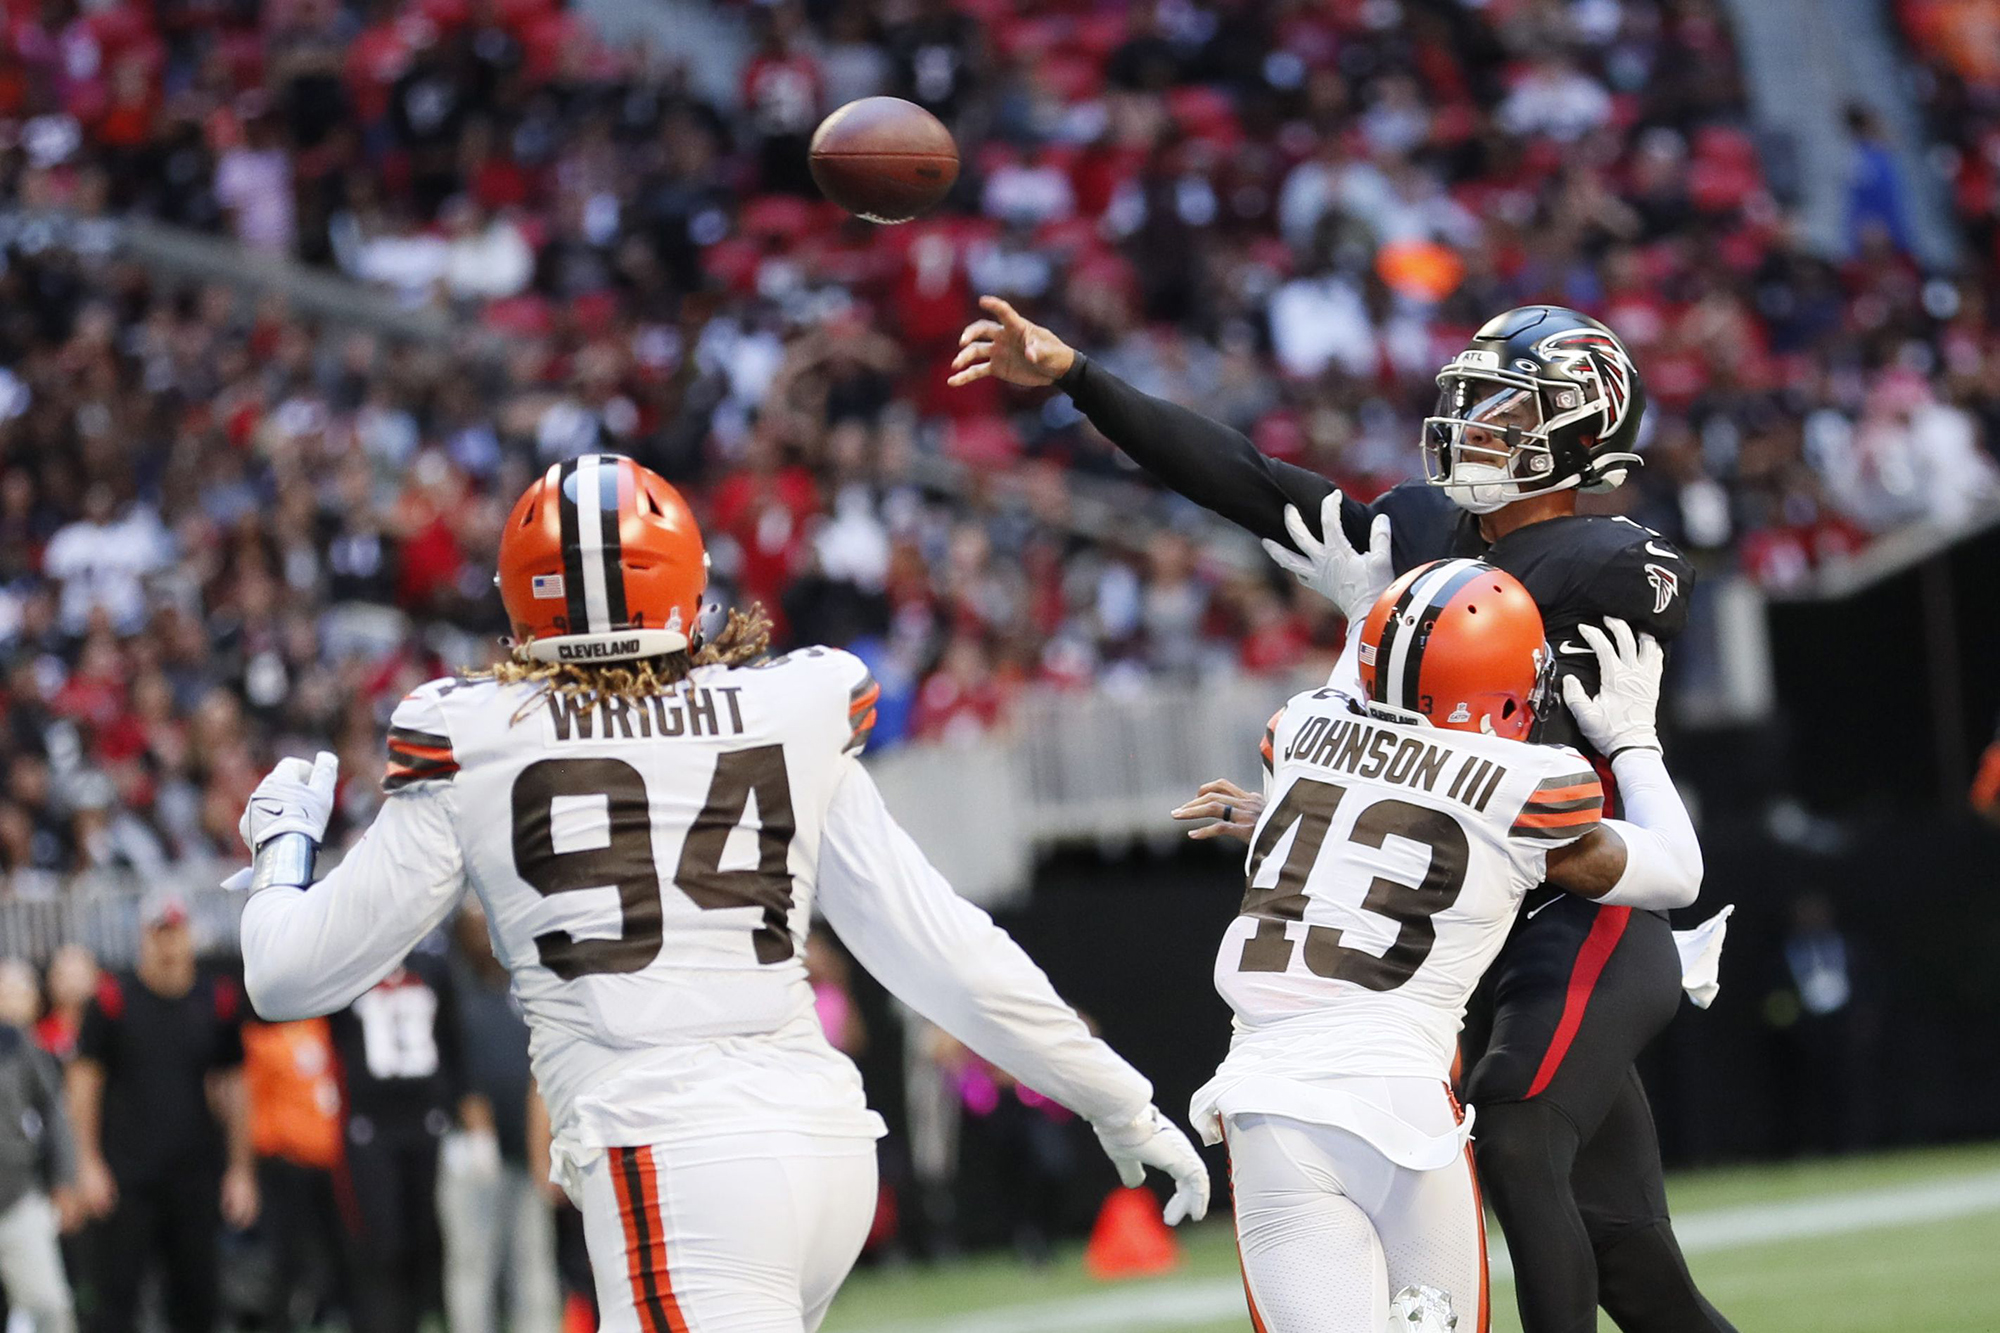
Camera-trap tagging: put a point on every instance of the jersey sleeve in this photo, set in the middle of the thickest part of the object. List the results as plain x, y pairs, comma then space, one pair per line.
1217, 467
1424, 524
1566, 804
1645, 584
944, 957
862, 695
838, 682
420, 752
1268, 748
312, 951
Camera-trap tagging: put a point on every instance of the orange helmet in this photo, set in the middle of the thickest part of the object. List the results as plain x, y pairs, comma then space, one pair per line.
1458, 643
601, 561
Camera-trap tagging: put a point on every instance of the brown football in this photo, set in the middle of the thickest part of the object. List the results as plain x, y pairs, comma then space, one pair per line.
884, 159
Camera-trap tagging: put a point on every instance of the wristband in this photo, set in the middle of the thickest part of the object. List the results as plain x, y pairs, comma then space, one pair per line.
1654, 746
284, 859
1067, 380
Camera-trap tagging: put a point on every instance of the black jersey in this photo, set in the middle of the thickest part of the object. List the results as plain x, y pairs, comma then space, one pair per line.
1579, 568
157, 1052
399, 1052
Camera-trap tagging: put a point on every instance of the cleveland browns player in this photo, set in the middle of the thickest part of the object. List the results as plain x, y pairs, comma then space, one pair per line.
1543, 403
649, 820
1401, 824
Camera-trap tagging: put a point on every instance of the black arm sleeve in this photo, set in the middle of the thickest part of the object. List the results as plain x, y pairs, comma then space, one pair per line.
1212, 465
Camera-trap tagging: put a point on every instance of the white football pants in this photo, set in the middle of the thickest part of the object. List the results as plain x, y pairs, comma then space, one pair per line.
742, 1234
1334, 1236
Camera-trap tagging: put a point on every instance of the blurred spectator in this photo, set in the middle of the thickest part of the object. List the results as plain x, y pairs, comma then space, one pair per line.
399, 1053
226, 529
1876, 201
289, 1079
499, 1230
1027, 1139
72, 982
37, 1163
1823, 1021
828, 973
163, 1142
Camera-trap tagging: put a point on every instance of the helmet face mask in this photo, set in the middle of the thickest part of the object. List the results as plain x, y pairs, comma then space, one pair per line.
1487, 443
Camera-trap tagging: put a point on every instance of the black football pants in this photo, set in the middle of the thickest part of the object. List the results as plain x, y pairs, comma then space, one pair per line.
174, 1222
396, 1255
1564, 1137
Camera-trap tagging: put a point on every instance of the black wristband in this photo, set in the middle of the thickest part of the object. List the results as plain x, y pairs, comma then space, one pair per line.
1612, 758
1067, 380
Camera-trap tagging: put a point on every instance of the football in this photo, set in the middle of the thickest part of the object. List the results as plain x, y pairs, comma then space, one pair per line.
884, 159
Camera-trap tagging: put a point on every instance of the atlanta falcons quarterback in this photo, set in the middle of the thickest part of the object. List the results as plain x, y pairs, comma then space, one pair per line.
1544, 402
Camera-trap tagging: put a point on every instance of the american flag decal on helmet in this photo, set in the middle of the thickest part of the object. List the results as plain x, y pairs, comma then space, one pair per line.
1593, 354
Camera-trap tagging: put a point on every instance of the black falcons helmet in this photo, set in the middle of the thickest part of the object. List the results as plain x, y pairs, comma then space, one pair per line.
1543, 399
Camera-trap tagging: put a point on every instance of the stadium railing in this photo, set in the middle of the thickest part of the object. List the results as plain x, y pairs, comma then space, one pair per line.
1099, 768
101, 910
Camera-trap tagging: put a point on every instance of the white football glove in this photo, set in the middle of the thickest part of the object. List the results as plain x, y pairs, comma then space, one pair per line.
294, 797
1623, 714
1348, 578
1153, 1140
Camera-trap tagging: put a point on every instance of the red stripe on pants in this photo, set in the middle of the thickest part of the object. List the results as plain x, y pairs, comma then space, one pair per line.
1591, 957
632, 1180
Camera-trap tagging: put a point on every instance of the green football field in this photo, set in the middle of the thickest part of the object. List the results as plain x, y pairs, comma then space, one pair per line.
1902, 1241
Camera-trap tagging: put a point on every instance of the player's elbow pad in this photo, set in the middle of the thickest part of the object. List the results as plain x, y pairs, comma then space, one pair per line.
1661, 873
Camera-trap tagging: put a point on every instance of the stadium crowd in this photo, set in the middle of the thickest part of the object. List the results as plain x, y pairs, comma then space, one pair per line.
225, 529
228, 532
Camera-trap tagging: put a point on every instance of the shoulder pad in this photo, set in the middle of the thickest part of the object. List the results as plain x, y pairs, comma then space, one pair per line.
1644, 579
847, 682
419, 739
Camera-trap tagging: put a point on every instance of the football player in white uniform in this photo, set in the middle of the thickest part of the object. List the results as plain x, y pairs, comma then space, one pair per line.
649, 822
1397, 836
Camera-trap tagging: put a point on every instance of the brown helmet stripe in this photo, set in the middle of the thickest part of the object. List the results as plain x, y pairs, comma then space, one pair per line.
1411, 684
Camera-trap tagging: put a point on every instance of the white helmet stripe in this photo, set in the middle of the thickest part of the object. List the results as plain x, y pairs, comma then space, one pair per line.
590, 544
1414, 604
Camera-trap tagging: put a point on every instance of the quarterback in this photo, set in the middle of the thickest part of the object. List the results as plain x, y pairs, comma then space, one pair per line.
1542, 404
649, 821
1398, 833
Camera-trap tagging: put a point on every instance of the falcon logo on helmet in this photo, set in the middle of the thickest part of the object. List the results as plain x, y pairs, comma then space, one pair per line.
1457, 644
601, 561
1590, 355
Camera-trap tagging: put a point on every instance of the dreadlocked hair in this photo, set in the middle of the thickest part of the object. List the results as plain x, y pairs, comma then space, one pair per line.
745, 637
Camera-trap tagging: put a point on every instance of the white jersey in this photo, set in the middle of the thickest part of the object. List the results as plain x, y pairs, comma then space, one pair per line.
649, 872
1383, 877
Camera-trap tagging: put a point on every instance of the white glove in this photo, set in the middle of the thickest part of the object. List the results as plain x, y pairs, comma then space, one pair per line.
1701, 957
1153, 1140
294, 797
1348, 578
1622, 715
